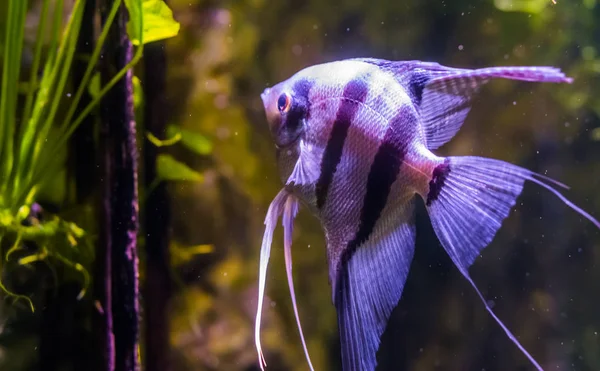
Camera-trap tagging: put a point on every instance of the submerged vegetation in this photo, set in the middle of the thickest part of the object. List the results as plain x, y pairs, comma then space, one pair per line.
33, 135
209, 173
31, 141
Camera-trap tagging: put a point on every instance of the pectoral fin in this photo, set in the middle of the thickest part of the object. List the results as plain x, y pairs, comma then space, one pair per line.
306, 170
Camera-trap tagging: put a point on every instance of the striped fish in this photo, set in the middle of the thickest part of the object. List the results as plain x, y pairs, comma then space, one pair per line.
354, 141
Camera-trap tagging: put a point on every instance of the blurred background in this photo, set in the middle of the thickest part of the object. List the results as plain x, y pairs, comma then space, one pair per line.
541, 273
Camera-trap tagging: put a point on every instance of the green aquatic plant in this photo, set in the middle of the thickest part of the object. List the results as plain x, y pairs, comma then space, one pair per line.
33, 136
170, 169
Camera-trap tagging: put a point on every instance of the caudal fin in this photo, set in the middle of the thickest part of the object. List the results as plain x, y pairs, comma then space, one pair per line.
468, 199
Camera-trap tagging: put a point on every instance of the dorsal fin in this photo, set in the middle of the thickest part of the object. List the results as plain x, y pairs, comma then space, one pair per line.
443, 94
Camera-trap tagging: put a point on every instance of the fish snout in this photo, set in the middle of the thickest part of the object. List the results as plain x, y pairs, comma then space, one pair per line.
268, 97
264, 95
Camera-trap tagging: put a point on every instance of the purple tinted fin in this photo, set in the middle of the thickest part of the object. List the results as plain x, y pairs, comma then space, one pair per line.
369, 286
289, 213
307, 168
401, 69
443, 94
275, 210
468, 199
446, 99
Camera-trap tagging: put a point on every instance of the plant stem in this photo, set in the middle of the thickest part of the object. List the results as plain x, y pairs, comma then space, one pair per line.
47, 165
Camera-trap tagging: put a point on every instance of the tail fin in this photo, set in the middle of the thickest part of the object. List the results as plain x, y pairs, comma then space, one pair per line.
468, 199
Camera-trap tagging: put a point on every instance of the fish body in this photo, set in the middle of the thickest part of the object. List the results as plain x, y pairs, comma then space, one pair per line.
354, 109
354, 142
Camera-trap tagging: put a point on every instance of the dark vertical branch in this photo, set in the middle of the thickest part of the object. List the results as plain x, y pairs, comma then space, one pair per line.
103, 358
119, 224
156, 216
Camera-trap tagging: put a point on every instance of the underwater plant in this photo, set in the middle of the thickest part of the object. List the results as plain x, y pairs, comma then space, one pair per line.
34, 132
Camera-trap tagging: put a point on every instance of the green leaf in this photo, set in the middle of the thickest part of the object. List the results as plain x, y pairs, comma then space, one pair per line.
13, 45
138, 93
157, 19
193, 141
165, 142
526, 6
94, 87
135, 20
181, 254
170, 169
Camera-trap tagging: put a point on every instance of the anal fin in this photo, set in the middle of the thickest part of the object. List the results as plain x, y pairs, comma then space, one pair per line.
369, 286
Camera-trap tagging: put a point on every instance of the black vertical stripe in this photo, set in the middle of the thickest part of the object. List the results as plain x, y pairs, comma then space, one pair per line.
438, 178
301, 89
300, 107
355, 93
292, 121
417, 81
383, 173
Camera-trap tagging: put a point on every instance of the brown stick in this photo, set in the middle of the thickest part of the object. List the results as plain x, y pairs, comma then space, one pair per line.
118, 277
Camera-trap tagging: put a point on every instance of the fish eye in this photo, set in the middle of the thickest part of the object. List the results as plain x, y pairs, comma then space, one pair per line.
284, 102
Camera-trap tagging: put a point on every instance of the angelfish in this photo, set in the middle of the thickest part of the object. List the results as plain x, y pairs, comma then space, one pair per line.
354, 141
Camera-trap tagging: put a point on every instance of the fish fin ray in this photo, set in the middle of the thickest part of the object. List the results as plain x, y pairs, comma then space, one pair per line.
471, 202
508, 333
447, 96
443, 94
289, 213
306, 170
400, 68
369, 286
478, 194
275, 210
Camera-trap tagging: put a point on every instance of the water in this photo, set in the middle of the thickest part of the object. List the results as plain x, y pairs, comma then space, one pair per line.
541, 272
